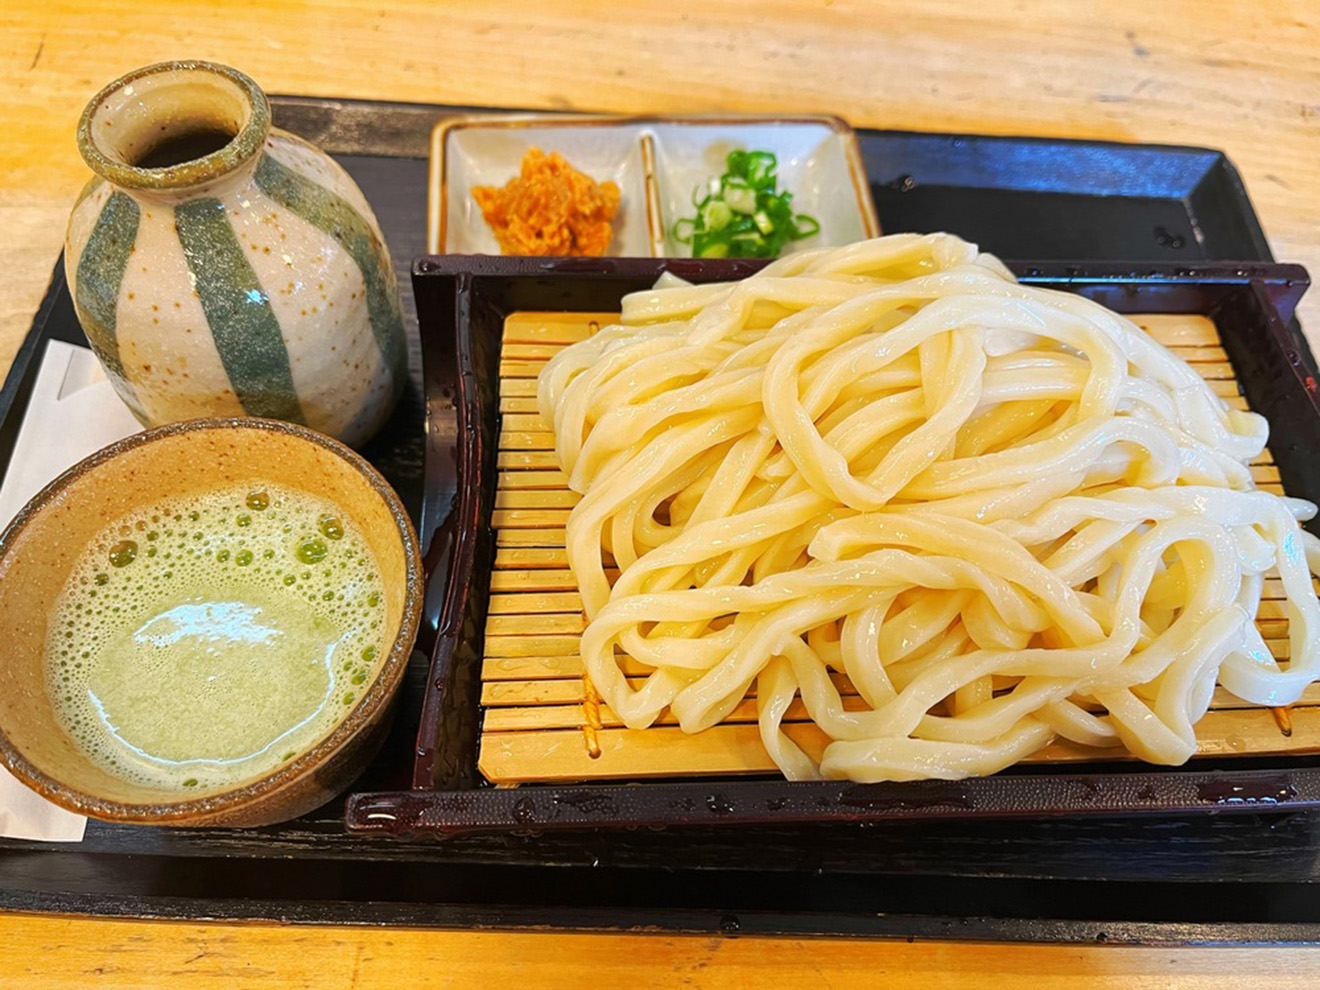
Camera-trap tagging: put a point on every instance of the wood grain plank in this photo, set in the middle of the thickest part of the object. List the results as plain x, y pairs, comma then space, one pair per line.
560, 498
546, 538
534, 625
510, 368
558, 559
540, 353
517, 404
525, 423
562, 666
44, 952
547, 715
1179, 329
545, 479
526, 440
1225, 389
507, 692
541, 329
531, 646
527, 460
1217, 370
547, 691
532, 666
543, 458
529, 518
1197, 354
519, 387
536, 604
663, 751
539, 459
539, 579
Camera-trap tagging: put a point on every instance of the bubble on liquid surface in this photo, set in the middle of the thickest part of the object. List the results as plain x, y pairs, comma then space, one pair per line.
204, 666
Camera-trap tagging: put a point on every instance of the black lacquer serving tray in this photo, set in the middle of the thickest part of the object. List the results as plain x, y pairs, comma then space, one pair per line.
1169, 878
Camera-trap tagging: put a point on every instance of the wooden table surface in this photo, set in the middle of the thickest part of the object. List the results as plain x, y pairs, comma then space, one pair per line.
1243, 77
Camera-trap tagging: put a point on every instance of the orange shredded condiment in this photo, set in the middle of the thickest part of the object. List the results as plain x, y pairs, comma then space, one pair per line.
550, 208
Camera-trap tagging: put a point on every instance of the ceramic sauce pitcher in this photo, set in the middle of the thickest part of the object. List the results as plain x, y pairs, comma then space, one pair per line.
220, 266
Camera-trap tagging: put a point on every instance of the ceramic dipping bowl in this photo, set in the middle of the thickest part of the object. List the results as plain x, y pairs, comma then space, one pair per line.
41, 545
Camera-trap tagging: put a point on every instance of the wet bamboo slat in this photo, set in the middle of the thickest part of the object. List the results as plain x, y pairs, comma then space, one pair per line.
527, 716
666, 751
540, 723
526, 601
556, 695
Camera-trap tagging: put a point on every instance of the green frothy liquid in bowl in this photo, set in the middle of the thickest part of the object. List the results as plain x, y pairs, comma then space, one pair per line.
198, 645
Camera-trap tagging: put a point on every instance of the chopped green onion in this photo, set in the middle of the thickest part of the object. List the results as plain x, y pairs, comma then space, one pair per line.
715, 215
761, 167
806, 225
744, 215
741, 198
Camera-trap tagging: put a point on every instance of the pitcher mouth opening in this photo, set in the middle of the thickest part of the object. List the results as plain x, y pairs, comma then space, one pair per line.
173, 125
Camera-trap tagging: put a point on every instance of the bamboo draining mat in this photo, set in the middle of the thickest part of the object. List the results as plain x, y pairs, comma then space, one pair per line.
540, 722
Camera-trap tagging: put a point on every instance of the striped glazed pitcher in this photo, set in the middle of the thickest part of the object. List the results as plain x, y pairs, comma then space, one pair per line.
220, 266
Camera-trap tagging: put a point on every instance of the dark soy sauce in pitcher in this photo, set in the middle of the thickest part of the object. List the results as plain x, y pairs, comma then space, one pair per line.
186, 147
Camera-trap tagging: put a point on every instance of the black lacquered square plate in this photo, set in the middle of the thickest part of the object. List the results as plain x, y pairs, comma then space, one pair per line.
463, 302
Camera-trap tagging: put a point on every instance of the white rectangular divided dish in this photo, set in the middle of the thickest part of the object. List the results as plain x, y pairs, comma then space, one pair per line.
488, 151
817, 158
657, 162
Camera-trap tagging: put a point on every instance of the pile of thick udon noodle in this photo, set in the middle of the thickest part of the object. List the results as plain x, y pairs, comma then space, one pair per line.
1006, 514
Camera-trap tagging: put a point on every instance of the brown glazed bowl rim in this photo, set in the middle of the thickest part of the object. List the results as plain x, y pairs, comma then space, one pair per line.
357, 719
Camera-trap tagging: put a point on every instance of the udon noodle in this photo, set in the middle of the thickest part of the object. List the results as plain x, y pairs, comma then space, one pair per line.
1005, 514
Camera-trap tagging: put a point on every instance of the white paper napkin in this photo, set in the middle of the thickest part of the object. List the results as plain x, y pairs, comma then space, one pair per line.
73, 412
